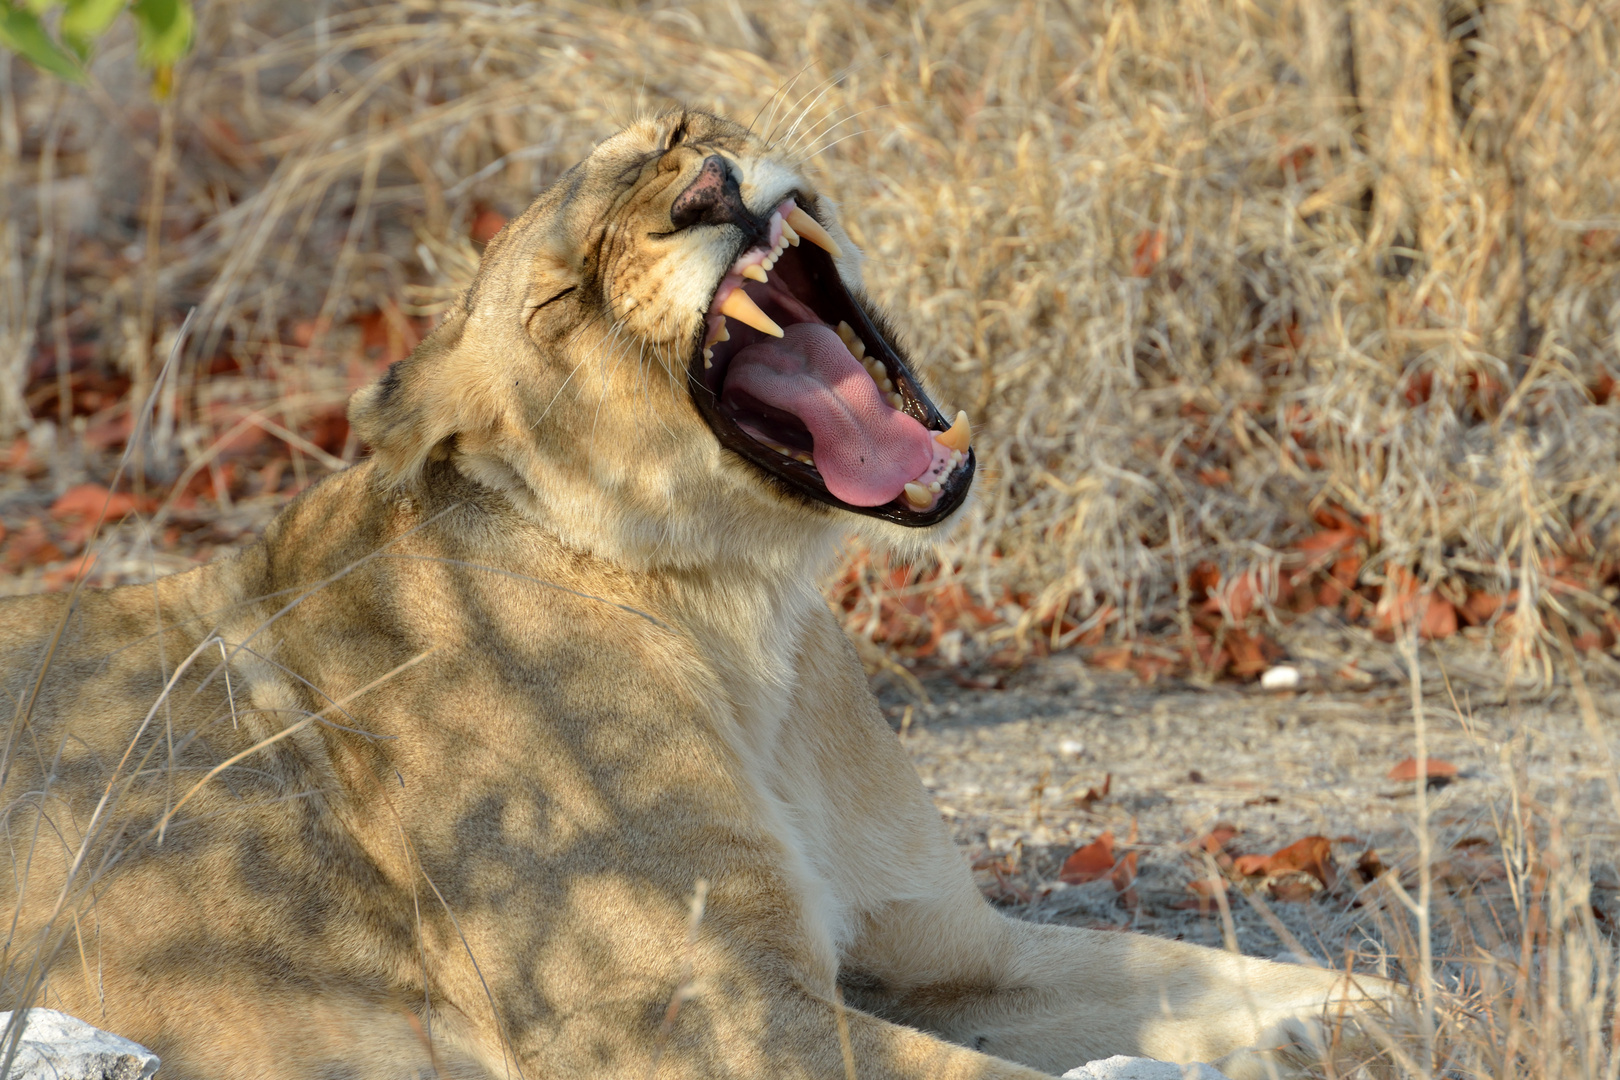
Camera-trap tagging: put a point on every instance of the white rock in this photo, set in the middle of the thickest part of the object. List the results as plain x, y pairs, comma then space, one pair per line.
1120, 1067
1071, 747
56, 1046
1281, 677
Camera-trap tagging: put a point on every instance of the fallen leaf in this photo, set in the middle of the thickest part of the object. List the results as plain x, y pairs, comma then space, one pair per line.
1216, 839
1435, 769
1090, 863
1251, 865
1124, 872
1149, 249
1294, 887
1111, 657
1312, 855
1092, 795
1369, 866
486, 225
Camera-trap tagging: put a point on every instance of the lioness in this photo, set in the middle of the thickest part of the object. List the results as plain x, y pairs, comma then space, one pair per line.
528, 746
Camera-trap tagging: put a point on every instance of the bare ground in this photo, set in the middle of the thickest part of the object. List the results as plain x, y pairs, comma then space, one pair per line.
1011, 768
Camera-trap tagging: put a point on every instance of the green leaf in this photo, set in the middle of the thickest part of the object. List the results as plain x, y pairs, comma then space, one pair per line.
21, 32
162, 31
86, 20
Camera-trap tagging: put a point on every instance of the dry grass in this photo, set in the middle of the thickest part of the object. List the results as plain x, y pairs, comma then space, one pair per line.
1212, 278
1200, 271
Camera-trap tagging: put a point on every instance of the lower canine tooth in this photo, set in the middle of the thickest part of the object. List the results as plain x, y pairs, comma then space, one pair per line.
959, 437
918, 496
740, 306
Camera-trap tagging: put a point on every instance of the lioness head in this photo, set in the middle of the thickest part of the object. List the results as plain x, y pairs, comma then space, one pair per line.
669, 357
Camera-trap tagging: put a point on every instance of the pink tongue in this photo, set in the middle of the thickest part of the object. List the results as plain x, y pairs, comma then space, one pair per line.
865, 451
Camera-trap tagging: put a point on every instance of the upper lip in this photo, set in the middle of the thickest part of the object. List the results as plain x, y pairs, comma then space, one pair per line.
808, 279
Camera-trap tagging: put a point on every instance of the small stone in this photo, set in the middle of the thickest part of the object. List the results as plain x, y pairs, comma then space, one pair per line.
56, 1046
1120, 1067
1281, 677
1071, 748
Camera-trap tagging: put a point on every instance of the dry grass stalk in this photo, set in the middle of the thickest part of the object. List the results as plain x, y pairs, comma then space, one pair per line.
1197, 269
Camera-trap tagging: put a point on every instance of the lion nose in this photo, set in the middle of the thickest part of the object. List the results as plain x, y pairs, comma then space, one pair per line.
712, 199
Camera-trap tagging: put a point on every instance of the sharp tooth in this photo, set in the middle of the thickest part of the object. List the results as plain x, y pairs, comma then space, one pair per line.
754, 272
845, 334
807, 227
724, 334
918, 496
740, 306
789, 235
959, 437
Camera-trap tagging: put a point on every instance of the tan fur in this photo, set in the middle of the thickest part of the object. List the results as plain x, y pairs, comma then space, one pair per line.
545, 661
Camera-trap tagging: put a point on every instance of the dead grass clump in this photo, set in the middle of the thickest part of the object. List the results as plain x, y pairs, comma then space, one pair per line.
1206, 275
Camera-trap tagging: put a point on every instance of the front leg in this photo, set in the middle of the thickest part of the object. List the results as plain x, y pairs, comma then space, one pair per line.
926, 949
1054, 997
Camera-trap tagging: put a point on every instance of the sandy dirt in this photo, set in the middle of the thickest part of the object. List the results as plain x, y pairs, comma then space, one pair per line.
1011, 769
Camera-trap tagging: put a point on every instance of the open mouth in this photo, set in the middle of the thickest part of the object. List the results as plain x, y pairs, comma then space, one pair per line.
793, 375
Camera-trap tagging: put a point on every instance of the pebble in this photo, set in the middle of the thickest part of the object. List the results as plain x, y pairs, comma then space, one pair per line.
1120, 1067
56, 1046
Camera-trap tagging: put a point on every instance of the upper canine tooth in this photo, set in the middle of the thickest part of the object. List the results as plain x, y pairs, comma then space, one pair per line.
740, 306
918, 496
754, 272
959, 437
808, 227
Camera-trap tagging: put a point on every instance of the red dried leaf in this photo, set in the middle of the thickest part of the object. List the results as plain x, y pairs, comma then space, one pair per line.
1439, 618
1147, 253
1124, 873
1326, 541
1090, 863
1293, 888
486, 225
1251, 865
1208, 887
1435, 770
1480, 607
1092, 795
1313, 855
1216, 839
85, 502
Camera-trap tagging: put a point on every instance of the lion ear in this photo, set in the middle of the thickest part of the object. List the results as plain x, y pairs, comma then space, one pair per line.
437, 393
